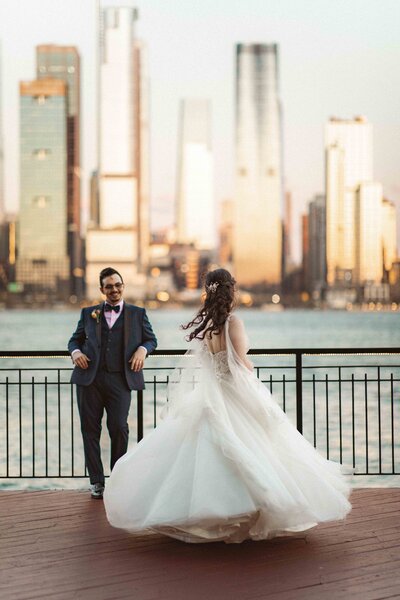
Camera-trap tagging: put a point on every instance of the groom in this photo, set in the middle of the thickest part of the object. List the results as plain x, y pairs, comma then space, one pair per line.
108, 350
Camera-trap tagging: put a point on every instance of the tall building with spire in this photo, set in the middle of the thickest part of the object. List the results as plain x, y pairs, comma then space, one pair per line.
119, 234
195, 204
63, 62
259, 177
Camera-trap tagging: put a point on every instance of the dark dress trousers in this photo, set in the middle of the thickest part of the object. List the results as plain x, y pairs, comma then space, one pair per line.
108, 381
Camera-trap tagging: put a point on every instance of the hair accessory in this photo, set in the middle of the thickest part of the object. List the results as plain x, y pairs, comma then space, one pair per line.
212, 287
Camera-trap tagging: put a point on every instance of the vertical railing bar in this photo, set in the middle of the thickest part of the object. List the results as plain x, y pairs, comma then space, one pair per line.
46, 429
33, 426
139, 415
20, 419
379, 420
366, 419
154, 401
352, 420
314, 413
258, 372
327, 414
270, 383
299, 392
59, 419
72, 430
7, 431
340, 415
284, 392
392, 417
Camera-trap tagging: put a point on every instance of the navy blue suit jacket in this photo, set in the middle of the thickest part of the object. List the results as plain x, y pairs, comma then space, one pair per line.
87, 339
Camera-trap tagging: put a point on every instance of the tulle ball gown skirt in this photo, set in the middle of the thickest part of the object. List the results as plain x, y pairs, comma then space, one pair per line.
225, 464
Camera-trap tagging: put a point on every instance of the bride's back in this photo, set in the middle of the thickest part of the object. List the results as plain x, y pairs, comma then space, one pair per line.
216, 342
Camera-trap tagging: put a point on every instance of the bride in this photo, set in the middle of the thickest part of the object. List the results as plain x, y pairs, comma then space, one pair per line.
225, 463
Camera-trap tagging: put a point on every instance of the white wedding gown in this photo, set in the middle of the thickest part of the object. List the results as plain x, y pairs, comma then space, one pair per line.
225, 463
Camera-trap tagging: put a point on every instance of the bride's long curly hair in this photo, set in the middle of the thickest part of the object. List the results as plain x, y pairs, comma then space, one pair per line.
218, 303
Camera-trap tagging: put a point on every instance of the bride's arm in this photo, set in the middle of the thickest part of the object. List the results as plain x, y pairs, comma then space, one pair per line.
238, 338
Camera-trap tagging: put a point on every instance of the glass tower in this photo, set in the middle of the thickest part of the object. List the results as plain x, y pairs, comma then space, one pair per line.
63, 62
195, 210
348, 155
43, 262
259, 189
119, 233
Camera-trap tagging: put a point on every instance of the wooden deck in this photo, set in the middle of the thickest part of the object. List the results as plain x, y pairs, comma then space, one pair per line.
58, 545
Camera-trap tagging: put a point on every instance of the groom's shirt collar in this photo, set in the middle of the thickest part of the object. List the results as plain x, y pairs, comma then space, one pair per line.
112, 316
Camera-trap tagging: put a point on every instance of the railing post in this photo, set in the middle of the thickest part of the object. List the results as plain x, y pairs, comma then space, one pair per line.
139, 415
299, 392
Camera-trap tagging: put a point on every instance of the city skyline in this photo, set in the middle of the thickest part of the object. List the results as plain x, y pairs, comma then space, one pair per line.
306, 107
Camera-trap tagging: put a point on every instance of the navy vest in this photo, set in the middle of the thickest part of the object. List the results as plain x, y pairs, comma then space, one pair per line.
112, 345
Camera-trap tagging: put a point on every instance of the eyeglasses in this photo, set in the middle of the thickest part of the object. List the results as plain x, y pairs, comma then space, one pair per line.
110, 286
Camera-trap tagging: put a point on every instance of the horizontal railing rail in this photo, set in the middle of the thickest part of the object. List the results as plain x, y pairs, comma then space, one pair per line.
348, 409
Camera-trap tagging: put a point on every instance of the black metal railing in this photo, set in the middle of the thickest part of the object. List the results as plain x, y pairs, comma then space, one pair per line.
348, 409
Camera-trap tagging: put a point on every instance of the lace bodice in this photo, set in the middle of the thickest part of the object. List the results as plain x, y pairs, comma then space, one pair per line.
220, 363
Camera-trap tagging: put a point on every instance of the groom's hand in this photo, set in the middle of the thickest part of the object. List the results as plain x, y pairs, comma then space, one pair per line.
137, 359
81, 360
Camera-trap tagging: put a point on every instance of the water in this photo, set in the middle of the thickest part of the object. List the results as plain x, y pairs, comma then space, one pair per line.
50, 330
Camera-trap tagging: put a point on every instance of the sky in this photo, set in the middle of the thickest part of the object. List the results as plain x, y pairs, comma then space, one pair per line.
337, 58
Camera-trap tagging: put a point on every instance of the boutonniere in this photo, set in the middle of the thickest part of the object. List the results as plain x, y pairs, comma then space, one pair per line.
96, 314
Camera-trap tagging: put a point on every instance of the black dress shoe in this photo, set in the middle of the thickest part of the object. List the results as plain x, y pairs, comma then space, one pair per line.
96, 490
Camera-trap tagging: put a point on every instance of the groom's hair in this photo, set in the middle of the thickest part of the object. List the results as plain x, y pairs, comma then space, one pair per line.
107, 272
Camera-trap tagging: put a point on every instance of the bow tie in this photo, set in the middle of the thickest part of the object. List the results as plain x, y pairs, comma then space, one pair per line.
109, 308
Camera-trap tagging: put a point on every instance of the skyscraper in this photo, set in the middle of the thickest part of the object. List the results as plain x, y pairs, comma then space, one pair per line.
120, 230
348, 154
259, 190
63, 62
43, 262
389, 233
368, 233
316, 244
195, 205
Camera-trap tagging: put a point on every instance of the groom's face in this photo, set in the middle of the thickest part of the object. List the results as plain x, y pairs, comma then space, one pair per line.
112, 288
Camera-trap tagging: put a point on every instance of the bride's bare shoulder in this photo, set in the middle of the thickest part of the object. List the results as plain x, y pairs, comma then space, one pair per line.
235, 322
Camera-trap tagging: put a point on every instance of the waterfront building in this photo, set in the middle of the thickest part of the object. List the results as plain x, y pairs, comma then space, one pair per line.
316, 245
259, 190
195, 204
287, 233
348, 155
63, 62
120, 221
8, 254
389, 234
43, 263
368, 233
305, 245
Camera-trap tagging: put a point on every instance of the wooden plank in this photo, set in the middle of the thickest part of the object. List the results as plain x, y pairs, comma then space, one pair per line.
59, 545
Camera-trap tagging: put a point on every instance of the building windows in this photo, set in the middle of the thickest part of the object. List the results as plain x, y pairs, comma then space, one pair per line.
41, 153
41, 201
40, 99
